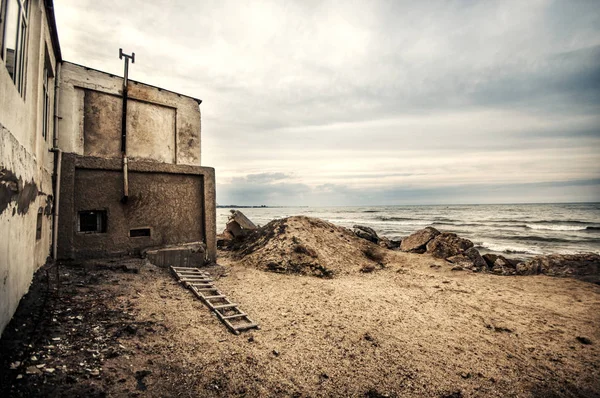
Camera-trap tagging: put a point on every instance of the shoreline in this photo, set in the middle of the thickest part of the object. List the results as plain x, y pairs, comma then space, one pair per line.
499, 229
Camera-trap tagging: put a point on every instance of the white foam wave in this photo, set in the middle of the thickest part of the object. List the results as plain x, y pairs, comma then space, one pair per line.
509, 249
554, 227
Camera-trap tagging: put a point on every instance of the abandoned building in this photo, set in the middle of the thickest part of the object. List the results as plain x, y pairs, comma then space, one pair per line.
89, 166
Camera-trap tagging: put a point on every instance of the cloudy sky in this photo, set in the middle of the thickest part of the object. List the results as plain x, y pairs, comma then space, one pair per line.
372, 102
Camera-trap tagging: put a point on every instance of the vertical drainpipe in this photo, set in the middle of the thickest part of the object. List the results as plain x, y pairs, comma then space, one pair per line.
57, 162
124, 123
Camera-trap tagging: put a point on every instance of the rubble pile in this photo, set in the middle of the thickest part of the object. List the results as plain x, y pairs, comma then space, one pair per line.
307, 246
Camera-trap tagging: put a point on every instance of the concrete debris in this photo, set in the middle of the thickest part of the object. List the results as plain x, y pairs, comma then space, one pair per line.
239, 224
186, 255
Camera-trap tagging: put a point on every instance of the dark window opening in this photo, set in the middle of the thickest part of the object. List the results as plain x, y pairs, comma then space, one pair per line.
138, 232
47, 87
13, 39
92, 221
38, 226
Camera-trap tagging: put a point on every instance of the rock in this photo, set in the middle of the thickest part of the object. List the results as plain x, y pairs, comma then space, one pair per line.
583, 340
491, 259
461, 261
366, 233
475, 257
384, 242
448, 244
416, 242
500, 265
585, 266
276, 353
32, 370
389, 243
457, 268
367, 268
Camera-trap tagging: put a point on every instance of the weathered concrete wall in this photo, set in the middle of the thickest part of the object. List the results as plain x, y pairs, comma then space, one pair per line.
175, 201
25, 168
161, 125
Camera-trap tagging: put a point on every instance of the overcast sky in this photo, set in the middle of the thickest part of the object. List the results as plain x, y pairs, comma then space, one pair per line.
372, 102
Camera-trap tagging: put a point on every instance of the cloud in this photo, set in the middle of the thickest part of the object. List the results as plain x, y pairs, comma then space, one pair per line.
326, 101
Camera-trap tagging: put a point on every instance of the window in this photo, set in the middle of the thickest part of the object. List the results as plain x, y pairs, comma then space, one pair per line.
38, 226
91, 222
139, 232
46, 79
14, 38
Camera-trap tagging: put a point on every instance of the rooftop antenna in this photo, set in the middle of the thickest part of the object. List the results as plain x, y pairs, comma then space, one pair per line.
124, 122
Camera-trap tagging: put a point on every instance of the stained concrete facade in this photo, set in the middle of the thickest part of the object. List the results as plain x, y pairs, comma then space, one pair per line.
26, 165
162, 126
171, 196
174, 202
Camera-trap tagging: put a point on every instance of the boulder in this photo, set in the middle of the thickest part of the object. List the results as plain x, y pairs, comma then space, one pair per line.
462, 261
389, 243
475, 257
499, 264
586, 266
366, 233
417, 242
491, 259
448, 244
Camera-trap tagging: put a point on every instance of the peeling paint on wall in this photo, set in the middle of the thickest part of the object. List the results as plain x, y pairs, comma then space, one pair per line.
12, 189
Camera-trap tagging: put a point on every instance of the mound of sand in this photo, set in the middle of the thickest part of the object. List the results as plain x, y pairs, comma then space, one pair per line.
308, 246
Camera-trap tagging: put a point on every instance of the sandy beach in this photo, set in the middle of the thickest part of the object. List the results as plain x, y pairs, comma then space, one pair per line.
410, 328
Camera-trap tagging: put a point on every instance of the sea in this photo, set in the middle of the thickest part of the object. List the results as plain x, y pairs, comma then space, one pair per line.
518, 230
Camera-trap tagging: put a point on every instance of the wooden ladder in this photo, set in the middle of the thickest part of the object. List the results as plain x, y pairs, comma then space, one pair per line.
200, 283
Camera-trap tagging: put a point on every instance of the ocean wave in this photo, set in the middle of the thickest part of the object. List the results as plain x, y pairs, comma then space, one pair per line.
391, 218
555, 227
507, 249
534, 238
459, 224
404, 220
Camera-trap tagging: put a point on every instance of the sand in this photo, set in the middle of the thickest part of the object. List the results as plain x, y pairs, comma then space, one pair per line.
410, 328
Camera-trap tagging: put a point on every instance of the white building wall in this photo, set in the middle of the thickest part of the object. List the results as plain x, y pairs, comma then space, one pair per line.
26, 167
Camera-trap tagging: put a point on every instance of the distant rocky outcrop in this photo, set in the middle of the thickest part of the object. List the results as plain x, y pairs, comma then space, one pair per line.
417, 242
583, 266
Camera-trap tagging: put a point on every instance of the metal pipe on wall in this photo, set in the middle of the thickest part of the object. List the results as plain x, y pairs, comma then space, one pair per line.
124, 122
57, 163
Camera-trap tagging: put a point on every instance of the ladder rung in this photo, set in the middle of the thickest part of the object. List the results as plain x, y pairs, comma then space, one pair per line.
186, 268
235, 316
207, 288
218, 307
214, 297
195, 280
244, 327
